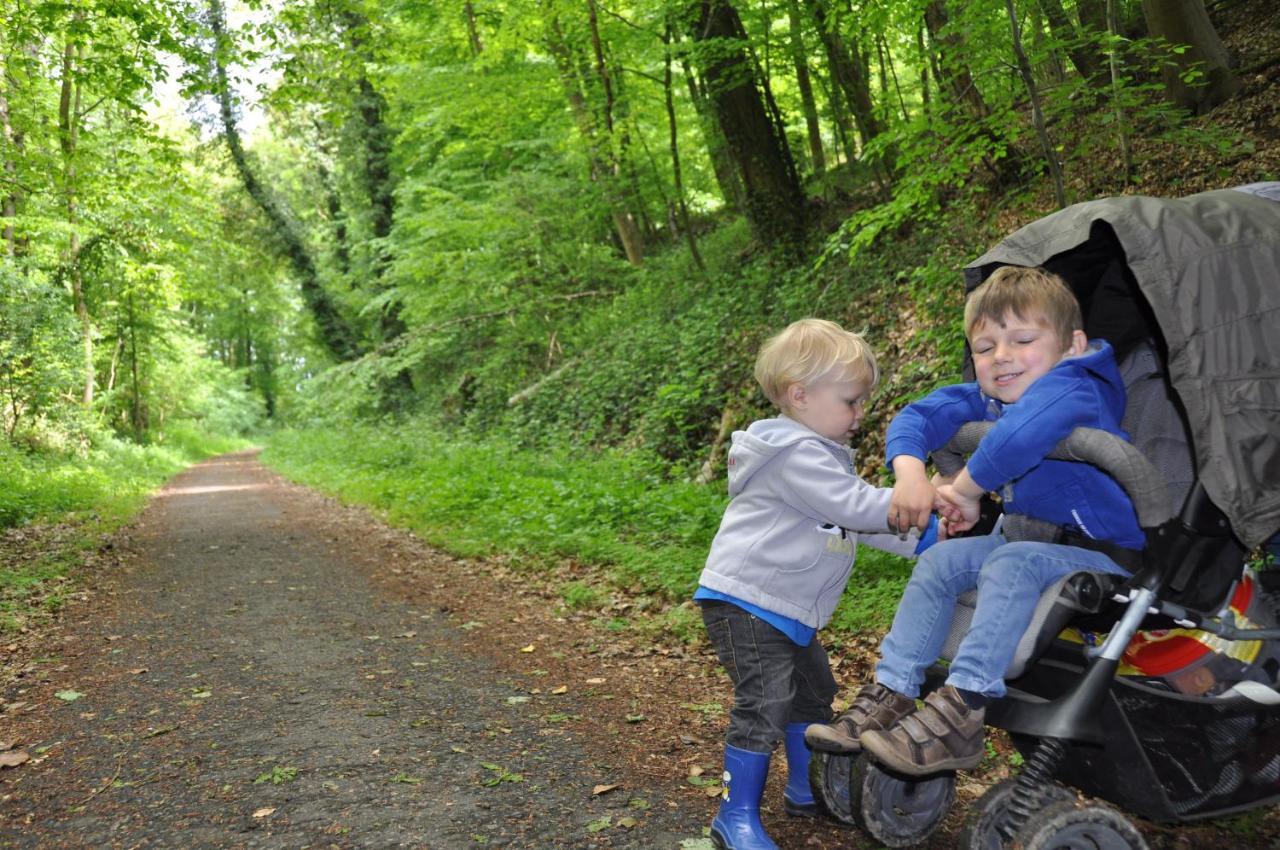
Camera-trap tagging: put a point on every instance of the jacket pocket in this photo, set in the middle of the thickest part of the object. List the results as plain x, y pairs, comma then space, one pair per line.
1082, 517
829, 564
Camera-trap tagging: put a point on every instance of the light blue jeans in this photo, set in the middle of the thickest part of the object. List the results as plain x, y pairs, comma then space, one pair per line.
1009, 578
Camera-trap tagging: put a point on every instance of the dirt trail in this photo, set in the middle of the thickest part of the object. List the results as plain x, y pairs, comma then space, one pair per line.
258, 627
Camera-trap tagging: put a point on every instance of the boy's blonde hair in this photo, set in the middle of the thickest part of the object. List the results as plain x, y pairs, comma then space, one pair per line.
811, 350
1028, 293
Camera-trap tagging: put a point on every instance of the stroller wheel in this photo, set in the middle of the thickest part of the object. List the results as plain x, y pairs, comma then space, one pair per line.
1066, 825
829, 778
898, 811
982, 829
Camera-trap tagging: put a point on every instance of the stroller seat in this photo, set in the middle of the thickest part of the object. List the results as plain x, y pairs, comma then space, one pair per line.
1067, 599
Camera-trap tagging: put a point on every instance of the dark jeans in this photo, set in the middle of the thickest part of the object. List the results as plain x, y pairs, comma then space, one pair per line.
775, 682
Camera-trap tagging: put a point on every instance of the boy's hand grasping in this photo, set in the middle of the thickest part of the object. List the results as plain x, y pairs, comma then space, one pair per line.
958, 502
960, 512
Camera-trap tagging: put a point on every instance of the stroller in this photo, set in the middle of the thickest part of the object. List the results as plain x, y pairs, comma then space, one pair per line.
1188, 293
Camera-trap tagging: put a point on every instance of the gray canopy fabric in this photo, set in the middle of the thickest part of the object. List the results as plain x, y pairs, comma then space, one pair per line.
1209, 267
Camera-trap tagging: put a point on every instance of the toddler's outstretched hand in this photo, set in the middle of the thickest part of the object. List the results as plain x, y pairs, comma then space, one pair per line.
960, 511
911, 505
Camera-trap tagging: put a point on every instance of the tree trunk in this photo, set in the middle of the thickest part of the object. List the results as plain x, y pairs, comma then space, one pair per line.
9, 206
1187, 22
774, 202
335, 335
727, 177
625, 204
952, 73
677, 177
805, 86
68, 138
1082, 55
379, 185
595, 128
136, 408
473, 32
848, 72
1037, 117
924, 69
1092, 15
1113, 60
333, 207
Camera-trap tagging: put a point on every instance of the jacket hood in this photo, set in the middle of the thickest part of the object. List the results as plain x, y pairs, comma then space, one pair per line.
764, 440
1100, 362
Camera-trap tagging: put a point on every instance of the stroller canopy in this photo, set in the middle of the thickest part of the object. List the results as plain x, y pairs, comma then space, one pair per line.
1207, 268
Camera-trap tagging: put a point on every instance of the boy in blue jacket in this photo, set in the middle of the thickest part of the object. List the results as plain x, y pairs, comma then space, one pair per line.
1039, 378
781, 559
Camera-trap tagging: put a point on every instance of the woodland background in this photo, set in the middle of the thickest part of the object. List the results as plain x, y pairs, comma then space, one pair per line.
499, 267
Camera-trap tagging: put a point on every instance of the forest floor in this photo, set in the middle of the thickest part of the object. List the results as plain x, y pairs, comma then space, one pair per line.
252, 664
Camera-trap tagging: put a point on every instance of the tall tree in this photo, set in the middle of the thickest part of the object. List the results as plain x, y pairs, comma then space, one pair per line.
589, 88
335, 333
1037, 115
1082, 54
1199, 77
774, 201
849, 71
800, 56
69, 116
951, 69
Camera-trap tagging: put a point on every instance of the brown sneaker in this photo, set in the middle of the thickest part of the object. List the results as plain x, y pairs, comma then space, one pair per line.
875, 707
945, 734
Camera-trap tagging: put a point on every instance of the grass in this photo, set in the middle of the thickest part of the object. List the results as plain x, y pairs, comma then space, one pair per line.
615, 509
73, 498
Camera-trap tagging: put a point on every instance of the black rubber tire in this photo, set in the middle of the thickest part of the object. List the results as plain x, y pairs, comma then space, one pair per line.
895, 810
982, 825
829, 776
1068, 825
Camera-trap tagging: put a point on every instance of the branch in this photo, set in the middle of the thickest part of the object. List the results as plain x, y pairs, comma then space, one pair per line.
644, 74
82, 113
629, 23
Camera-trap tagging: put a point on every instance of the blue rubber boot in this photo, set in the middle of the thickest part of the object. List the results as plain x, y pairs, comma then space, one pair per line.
797, 799
737, 825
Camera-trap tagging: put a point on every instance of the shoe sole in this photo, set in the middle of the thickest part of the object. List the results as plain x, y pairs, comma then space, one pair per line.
894, 762
828, 746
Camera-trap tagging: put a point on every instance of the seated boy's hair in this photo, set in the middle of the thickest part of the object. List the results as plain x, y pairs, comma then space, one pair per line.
1028, 293
811, 350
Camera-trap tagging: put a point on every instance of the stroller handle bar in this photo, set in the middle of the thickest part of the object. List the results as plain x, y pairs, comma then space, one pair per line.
1114, 456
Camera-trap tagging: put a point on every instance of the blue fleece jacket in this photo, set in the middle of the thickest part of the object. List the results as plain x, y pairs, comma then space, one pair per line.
1079, 391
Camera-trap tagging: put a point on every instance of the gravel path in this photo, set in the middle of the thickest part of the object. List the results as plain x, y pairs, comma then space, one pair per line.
247, 683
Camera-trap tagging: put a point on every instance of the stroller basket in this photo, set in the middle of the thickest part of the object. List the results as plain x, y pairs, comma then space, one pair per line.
1166, 756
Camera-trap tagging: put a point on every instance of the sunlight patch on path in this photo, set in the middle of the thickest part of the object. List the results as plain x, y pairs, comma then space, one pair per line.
195, 491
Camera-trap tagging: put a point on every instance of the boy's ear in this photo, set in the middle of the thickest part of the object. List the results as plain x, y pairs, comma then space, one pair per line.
1079, 342
797, 398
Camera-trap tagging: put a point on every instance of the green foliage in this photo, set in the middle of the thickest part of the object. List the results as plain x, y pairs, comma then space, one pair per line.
474, 498
278, 775
578, 595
